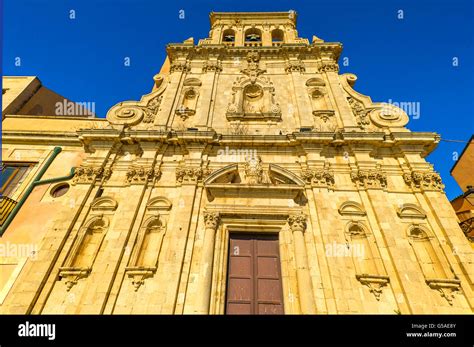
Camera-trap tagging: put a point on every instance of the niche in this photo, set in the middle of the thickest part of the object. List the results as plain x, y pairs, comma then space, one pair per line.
433, 264
320, 104
189, 98
88, 243
367, 263
146, 251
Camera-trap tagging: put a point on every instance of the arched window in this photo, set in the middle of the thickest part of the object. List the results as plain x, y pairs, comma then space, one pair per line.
253, 37
228, 37
277, 36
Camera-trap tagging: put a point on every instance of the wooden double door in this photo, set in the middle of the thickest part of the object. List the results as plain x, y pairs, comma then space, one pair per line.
254, 283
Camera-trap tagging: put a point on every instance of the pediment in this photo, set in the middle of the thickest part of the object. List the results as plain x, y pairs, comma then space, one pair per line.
234, 174
227, 174
233, 180
351, 208
411, 211
280, 175
315, 82
159, 203
104, 204
192, 82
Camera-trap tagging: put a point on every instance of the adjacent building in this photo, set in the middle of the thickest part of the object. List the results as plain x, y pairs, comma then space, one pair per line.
463, 173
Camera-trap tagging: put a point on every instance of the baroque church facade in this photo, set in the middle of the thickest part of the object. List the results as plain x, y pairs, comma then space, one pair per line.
252, 179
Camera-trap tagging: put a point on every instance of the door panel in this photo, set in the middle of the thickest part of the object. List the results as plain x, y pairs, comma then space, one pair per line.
254, 275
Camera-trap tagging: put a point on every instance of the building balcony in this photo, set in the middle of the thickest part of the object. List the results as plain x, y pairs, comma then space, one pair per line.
6, 207
253, 44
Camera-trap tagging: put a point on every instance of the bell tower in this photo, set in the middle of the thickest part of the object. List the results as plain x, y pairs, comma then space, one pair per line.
253, 29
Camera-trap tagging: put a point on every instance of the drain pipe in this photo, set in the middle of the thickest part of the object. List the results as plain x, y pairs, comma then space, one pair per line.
36, 182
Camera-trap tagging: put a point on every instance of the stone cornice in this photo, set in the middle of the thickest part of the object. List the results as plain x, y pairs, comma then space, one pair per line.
44, 137
327, 49
253, 17
419, 142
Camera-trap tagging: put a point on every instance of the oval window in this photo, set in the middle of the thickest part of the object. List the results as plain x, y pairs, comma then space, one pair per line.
59, 190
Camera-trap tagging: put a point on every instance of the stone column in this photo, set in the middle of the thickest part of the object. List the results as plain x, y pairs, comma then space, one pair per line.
211, 220
297, 224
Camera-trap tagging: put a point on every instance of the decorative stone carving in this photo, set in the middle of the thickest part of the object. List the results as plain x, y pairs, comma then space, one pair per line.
253, 96
355, 230
369, 178
104, 204
253, 70
359, 111
130, 113
142, 174
324, 115
72, 275
180, 66
253, 170
295, 66
411, 211
467, 227
189, 175
125, 114
297, 222
151, 109
139, 275
211, 220
188, 103
315, 82
446, 287
375, 283
319, 177
424, 180
88, 174
212, 65
329, 67
352, 208
388, 116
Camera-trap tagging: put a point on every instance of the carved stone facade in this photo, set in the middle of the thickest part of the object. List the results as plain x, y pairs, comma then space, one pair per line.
251, 131
423, 180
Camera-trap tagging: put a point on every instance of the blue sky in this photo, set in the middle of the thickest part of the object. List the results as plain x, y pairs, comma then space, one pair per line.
403, 60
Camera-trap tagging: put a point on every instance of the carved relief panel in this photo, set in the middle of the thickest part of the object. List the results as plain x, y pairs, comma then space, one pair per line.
253, 95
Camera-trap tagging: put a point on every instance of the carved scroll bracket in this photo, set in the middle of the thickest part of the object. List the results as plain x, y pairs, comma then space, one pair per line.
375, 283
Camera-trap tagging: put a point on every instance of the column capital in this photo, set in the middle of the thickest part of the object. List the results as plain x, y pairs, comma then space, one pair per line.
297, 222
211, 219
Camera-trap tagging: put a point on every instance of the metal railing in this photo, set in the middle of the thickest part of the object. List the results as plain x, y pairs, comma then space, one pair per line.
6, 207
